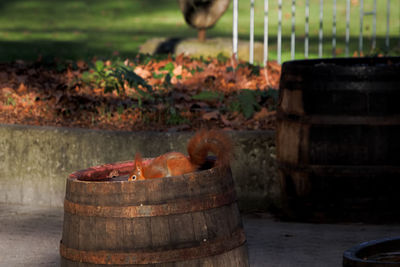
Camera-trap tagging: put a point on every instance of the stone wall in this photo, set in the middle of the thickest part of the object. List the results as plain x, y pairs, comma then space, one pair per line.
35, 161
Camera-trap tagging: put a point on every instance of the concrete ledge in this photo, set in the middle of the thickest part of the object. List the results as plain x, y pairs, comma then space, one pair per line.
35, 161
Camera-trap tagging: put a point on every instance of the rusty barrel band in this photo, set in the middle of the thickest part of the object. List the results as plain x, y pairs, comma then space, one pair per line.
176, 207
205, 249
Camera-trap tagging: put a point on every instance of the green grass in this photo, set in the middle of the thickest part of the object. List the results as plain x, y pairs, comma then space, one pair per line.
76, 29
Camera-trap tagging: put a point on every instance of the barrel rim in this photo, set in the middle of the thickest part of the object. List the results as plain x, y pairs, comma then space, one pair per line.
355, 254
147, 192
342, 62
105, 172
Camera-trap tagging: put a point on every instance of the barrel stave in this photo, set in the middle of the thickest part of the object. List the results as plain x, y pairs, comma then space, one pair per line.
193, 221
337, 138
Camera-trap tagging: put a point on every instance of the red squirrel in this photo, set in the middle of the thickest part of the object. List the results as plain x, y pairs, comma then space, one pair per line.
175, 163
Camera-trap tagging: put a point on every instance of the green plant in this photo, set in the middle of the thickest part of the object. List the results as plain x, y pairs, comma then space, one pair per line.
197, 69
167, 81
143, 89
230, 69
248, 102
222, 58
120, 110
208, 96
114, 77
169, 67
10, 101
102, 76
174, 117
271, 96
255, 69
157, 75
234, 106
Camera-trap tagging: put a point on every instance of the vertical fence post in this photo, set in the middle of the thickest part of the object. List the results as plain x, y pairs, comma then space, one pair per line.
307, 29
235, 29
265, 32
360, 38
334, 30
348, 27
387, 25
374, 27
293, 36
279, 41
321, 16
251, 52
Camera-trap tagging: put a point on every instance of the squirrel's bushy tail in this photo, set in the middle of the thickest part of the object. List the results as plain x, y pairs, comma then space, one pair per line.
206, 141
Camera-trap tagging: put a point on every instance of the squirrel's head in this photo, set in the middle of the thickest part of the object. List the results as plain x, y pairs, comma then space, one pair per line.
137, 173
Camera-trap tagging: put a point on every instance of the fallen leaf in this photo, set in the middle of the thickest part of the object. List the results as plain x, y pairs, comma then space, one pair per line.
145, 74
22, 88
63, 99
263, 114
225, 120
213, 115
178, 70
81, 64
7, 107
7, 91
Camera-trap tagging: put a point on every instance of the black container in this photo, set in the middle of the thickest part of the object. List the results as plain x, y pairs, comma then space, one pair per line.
338, 139
377, 253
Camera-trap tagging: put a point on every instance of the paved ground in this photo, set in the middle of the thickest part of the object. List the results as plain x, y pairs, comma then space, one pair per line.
29, 236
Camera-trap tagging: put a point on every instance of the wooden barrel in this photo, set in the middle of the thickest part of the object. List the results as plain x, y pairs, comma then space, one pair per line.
377, 253
338, 139
188, 220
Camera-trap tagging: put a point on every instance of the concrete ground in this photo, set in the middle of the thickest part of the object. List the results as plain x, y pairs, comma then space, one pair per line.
29, 236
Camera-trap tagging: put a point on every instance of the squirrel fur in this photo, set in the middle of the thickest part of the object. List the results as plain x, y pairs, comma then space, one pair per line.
176, 163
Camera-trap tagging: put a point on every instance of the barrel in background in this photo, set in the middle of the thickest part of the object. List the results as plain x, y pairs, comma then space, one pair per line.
383, 252
338, 139
188, 220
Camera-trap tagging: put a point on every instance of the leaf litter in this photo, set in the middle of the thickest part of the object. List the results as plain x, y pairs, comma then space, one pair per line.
144, 93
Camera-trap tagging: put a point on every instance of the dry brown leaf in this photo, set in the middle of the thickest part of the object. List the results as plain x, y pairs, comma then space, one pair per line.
22, 88
56, 102
225, 120
263, 114
7, 91
81, 64
213, 115
178, 70
145, 74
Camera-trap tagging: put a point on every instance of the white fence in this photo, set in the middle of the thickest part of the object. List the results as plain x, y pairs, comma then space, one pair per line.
347, 18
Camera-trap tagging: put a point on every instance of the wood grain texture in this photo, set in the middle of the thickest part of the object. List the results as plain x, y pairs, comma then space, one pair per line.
100, 227
337, 139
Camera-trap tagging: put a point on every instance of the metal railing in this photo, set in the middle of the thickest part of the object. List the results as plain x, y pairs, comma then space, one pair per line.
363, 13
